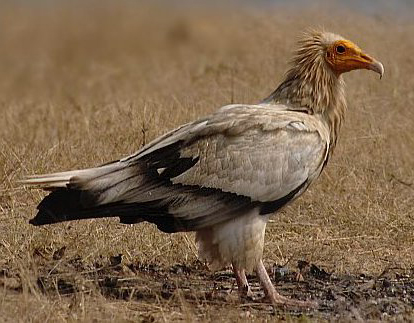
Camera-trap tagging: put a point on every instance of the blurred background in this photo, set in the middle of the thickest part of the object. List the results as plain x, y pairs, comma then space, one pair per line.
86, 82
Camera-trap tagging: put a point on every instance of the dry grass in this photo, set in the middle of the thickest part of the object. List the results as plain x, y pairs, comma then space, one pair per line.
85, 84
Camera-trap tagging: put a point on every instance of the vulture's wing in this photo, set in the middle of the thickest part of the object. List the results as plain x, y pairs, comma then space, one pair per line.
256, 151
207, 171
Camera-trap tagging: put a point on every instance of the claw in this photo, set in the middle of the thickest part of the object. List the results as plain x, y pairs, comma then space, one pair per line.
273, 296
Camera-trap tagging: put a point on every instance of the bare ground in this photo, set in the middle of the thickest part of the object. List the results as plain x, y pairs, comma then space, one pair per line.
81, 85
189, 291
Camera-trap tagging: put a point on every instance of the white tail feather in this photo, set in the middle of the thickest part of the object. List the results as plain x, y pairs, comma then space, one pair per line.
62, 179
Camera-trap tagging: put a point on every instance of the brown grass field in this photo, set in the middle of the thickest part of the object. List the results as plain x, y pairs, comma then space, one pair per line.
84, 84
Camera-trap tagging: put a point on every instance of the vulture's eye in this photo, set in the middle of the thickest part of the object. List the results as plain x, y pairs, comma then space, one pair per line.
340, 49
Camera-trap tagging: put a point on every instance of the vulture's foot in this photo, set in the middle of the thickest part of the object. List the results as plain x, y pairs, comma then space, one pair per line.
282, 301
273, 296
242, 283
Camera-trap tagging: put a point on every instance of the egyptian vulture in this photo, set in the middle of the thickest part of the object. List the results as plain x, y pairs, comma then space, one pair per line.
224, 175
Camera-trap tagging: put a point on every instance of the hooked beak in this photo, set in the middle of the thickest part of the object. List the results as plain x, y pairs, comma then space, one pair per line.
371, 64
376, 67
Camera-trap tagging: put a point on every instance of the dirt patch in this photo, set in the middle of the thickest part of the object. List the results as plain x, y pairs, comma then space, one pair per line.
353, 296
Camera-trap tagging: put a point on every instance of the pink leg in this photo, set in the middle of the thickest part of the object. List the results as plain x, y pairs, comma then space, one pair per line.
242, 283
274, 297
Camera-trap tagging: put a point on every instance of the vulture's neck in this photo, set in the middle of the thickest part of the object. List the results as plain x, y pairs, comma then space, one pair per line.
311, 87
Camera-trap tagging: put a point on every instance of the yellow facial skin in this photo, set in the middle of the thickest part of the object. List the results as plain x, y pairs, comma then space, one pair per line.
344, 56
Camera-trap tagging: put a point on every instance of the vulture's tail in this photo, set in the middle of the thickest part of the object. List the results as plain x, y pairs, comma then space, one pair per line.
62, 204
88, 193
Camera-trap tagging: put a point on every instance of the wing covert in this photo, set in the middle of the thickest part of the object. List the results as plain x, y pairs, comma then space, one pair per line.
262, 165
259, 151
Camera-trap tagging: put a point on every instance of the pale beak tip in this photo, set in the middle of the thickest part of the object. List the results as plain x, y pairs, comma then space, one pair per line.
378, 67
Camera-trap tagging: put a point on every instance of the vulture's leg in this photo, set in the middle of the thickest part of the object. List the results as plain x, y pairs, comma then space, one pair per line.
274, 297
242, 283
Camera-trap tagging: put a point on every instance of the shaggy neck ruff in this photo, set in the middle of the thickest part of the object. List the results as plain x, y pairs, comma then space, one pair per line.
310, 85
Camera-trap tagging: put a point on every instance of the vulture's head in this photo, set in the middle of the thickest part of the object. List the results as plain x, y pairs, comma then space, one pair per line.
334, 52
314, 83
342, 55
